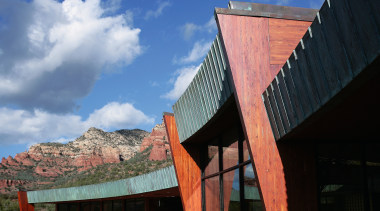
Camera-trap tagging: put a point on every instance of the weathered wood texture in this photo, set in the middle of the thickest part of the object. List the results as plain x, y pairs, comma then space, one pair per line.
341, 42
23, 202
187, 171
284, 35
246, 41
247, 45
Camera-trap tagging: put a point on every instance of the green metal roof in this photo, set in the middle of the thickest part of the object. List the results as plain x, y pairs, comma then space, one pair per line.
208, 91
342, 41
157, 180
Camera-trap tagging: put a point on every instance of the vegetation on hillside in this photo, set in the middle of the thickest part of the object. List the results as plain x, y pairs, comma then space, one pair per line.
139, 164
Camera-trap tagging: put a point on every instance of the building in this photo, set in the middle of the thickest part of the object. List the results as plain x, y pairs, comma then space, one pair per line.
283, 112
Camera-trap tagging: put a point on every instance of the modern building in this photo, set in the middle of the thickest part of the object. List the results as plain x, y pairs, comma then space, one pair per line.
282, 114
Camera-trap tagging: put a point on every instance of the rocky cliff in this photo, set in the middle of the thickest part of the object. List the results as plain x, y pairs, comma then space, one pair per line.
157, 139
45, 162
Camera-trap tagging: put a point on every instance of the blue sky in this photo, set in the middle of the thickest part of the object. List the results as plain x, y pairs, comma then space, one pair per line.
69, 65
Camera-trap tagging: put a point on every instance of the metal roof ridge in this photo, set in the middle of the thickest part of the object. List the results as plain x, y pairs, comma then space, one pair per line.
268, 10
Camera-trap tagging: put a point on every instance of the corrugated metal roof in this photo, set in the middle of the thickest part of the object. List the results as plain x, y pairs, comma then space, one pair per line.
157, 180
342, 41
208, 91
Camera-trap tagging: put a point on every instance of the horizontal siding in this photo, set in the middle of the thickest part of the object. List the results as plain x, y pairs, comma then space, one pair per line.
157, 180
205, 95
343, 39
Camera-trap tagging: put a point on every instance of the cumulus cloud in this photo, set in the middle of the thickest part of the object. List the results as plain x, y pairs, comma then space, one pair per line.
37, 125
155, 13
189, 29
198, 51
52, 53
183, 78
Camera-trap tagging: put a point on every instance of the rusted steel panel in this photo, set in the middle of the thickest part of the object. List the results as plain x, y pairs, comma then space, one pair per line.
267, 10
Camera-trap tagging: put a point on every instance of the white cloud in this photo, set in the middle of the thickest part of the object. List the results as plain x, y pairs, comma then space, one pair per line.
199, 50
189, 29
182, 81
116, 115
37, 126
54, 52
155, 13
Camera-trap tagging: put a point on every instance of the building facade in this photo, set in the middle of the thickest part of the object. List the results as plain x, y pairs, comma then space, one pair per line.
281, 115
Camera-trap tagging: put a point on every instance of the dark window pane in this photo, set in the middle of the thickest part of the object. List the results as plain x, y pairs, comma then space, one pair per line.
212, 163
231, 190
107, 205
373, 175
140, 205
252, 198
73, 207
212, 191
341, 177
85, 206
95, 206
130, 204
62, 207
117, 205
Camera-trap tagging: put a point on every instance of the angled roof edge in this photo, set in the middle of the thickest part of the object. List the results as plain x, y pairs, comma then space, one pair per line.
267, 10
158, 180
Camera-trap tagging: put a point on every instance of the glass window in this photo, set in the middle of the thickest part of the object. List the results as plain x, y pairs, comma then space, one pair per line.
140, 205
252, 197
373, 174
135, 204
117, 205
232, 185
95, 206
212, 193
107, 205
340, 176
230, 154
246, 155
231, 190
73, 207
212, 163
62, 207
85, 206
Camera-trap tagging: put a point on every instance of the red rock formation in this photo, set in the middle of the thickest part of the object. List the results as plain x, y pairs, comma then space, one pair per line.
157, 138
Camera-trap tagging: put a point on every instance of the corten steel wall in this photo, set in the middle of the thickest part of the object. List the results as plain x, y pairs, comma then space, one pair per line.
255, 48
187, 171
